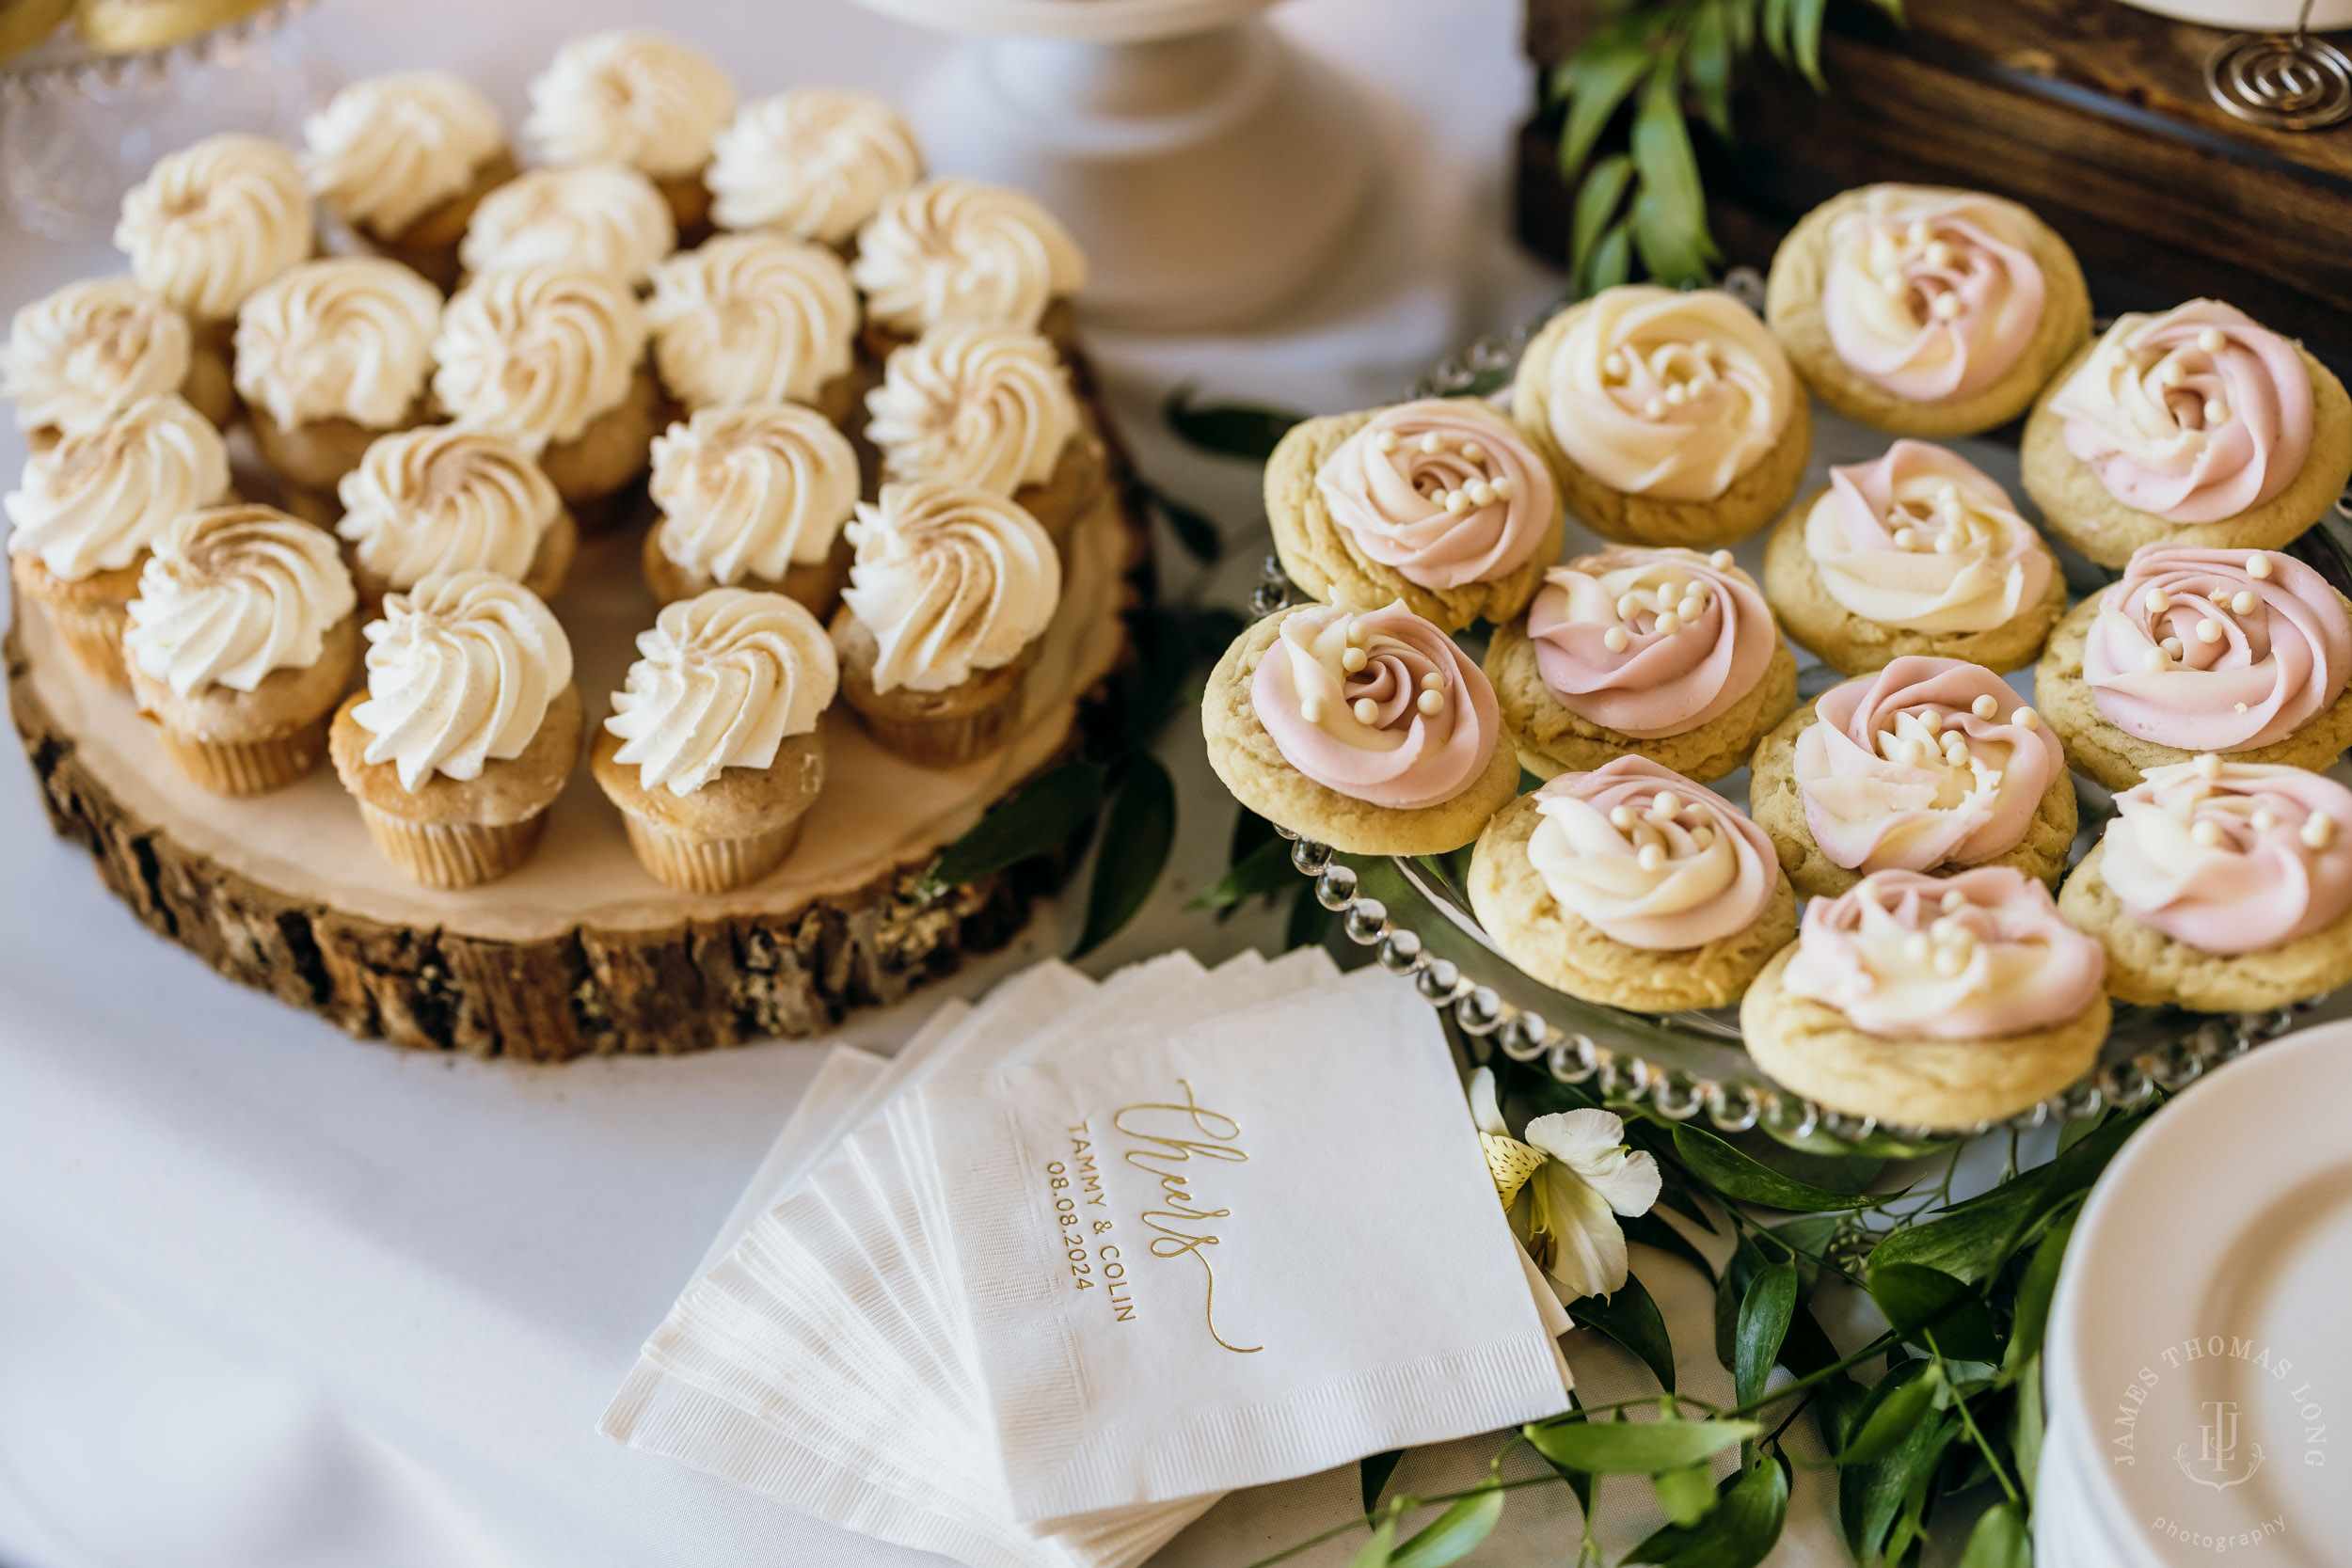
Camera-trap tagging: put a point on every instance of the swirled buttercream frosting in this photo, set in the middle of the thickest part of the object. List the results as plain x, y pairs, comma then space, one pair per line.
1379, 706
78, 358
751, 318
537, 353
230, 594
719, 683
815, 163
2216, 650
1668, 394
606, 216
951, 581
2230, 857
1978, 955
215, 221
1930, 294
461, 670
439, 499
2193, 416
959, 250
629, 97
94, 501
1443, 491
1650, 642
387, 149
1922, 540
983, 406
1650, 858
1929, 762
347, 338
751, 492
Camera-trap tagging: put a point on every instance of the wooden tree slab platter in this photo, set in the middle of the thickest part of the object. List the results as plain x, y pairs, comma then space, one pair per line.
580, 952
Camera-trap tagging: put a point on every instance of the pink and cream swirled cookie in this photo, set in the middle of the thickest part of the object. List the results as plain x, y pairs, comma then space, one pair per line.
1926, 311
1633, 887
2197, 426
1438, 503
2222, 886
1366, 729
1931, 1001
2244, 652
1667, 653
1919, 552
1930, 765
1668, 417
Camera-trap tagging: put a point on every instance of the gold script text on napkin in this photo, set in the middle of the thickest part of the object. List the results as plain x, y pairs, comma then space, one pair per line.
1167, 1131
1076, 1187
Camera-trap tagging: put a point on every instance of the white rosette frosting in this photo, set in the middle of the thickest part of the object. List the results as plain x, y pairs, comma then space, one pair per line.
720, 682
438, 500
215, 221
629, 97
815, 163
751, 492
608, 216
93, 501
537, 353
460, 674
959, 250
230, 594
347, 338
78, 358
983, 406
951, 581
387, 149
751, 318
1668, 394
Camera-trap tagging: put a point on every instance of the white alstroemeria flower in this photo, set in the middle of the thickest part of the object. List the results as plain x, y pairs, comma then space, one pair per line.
1564, 1184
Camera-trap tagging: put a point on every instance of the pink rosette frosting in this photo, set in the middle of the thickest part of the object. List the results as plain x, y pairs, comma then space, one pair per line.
1931, 295
1650, 642
2193, 415
1930, 762
1445, 493
1973, 956
1648, 858
1378, 706
1922, 539
2216, 650
2232, 857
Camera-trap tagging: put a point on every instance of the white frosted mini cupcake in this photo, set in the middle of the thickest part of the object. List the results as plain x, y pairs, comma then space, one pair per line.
813, 163
402, 159
77, 358
756, 318
608, 216
957, 250
90, 508
554, 357
468, 729
636, 98
240, 644
438, 500
989, 407
944, 613
712, 754
754, 497
330, 355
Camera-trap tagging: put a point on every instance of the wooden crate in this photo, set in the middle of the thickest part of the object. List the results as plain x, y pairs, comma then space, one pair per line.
2090, 112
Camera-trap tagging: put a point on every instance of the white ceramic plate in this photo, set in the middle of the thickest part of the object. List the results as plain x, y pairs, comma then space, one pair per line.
2198, 1348
2252, 16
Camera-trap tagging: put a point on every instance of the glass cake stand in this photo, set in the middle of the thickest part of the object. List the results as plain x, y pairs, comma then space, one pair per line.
78, 127
1414, 913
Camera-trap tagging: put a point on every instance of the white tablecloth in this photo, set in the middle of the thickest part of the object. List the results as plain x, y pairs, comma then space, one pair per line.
271, 1296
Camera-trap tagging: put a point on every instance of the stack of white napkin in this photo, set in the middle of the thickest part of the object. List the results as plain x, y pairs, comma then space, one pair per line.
1087, 1256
